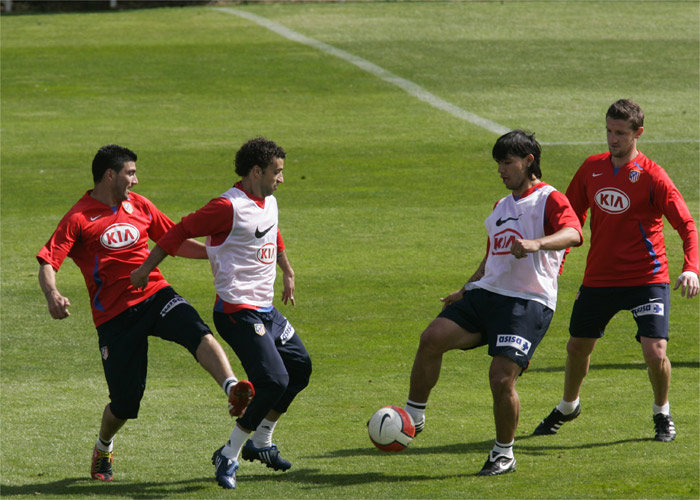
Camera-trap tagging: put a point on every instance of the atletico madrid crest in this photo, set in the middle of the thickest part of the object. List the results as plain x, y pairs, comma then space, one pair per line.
634, 176
128, 207
259, 329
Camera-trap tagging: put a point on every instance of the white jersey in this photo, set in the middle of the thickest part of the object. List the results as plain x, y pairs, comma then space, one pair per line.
245, 263
533, 277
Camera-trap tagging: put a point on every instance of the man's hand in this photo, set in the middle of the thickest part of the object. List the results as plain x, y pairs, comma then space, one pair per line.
452, 298
688, 281
288, 291
139, 278
521, 248
58, 304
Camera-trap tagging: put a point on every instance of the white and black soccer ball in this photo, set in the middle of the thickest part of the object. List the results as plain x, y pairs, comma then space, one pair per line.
391, 429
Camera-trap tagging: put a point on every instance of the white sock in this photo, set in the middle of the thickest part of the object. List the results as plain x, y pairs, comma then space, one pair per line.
567, 407
103, 445
262, 437
228, 384
665, 409
416, 411
502, 450
233, 448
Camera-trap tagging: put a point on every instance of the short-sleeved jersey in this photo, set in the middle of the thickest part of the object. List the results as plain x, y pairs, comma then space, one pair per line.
626, 206
243, 240
107, 243
540, 211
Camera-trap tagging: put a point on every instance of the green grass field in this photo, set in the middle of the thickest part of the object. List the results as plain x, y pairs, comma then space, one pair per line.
382, 212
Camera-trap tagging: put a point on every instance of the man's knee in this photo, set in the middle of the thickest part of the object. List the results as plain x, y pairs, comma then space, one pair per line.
579, 347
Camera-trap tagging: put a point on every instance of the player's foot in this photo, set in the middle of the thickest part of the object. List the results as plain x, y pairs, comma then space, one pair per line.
225, 470
554, 421
501, 465
101, 465
665, 428
238, 398
268, 455
419, 426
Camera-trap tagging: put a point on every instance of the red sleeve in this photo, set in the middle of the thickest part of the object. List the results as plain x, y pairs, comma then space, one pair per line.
61, 242
669, 200
578, 198
160, 223
559, 214
213, 219
280, 242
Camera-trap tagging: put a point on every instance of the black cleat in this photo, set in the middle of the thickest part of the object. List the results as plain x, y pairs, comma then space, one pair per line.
554, 421
665, 429
501, 465
269, 455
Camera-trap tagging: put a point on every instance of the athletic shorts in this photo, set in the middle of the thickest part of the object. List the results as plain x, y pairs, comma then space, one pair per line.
594, 307
124, 344
512, 327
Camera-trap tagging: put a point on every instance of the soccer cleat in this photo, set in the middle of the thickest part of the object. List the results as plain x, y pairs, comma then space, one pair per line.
665, 428
501, 465
238, 398
225, 470
554, 421
268, 455
101, 465
419, 427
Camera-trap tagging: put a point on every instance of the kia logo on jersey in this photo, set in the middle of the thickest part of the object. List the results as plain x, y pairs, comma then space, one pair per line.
504, 240
119, 236
266, 253
612, 201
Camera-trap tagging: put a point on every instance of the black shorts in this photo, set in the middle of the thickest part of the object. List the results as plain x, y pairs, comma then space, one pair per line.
512, 327
594, 307
124, 344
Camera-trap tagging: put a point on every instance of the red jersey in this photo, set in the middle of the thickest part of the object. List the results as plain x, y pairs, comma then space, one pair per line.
107, 243
627, 205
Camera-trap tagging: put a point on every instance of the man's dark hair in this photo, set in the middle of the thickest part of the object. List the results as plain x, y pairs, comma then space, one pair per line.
258, 151
110, 156
519, 143
624, 109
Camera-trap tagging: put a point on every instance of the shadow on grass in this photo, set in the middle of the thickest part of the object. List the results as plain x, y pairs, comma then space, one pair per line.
542, 447
84, 486
618, 366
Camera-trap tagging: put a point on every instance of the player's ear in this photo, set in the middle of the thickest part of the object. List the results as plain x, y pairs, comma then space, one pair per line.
638, 133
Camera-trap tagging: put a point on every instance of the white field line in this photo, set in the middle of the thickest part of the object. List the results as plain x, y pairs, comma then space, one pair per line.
406, 85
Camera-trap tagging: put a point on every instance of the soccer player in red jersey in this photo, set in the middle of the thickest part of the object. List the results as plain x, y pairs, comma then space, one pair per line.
509, 301
106, 234
626, 269
245, 248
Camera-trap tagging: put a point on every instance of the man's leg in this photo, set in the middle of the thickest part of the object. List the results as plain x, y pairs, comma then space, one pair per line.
213, 359
578, 360
503, 375
101, 468
442, 335
659, 370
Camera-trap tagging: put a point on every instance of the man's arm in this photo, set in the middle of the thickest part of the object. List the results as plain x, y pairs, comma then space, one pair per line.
192, 249
457, 294
287, 277
58, 304
139, 276
564, 238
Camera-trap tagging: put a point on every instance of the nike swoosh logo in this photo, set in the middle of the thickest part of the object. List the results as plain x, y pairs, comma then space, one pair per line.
382, 422
500, 222
96, 217
597, 175
655, 299
260, 234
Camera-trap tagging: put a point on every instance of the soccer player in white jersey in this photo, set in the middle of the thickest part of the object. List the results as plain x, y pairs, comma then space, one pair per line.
509, 301
244, 245
628, 195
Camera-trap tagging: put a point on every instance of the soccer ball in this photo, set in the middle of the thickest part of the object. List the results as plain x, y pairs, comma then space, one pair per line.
391, 429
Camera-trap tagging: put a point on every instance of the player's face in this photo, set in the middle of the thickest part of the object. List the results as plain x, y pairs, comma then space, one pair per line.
124, 181
271, 177
622, 140
513, 172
